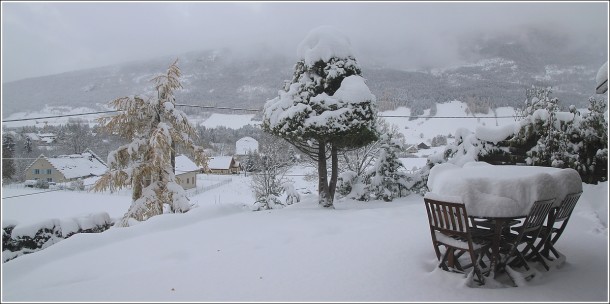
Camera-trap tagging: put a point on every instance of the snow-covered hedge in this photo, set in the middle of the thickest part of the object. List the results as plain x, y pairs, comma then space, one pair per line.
545, 136
23, 239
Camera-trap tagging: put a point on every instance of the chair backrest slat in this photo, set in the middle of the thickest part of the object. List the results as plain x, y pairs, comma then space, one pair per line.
446, 216
567, 206
537, 215
458, 213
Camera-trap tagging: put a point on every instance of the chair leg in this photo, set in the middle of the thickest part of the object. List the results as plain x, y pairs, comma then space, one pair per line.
477, 272
555, 252
535, 252
443, 263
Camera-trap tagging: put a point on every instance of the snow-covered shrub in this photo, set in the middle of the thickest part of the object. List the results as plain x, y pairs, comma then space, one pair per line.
345, 182
77, 185
42, 184
268, 183
267, 202
352, 186
23, 239
292, 196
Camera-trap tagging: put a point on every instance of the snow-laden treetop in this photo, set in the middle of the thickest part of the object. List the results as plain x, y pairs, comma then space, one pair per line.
323, 43
349, 97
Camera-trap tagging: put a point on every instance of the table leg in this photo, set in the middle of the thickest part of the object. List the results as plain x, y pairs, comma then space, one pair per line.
495, 246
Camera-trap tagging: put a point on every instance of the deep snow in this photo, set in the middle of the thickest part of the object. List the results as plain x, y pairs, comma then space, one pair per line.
222, 251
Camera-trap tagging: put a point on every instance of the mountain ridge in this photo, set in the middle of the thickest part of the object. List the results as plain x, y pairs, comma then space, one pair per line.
497, 75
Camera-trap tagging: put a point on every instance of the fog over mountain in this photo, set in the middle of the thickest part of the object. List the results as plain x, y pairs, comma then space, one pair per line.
492, 71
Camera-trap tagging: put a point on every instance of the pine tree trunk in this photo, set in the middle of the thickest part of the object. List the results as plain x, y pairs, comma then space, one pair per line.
324, 199
334, 173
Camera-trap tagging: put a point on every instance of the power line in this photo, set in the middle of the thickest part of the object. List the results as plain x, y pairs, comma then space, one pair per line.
251, 110
59, 116
40, 192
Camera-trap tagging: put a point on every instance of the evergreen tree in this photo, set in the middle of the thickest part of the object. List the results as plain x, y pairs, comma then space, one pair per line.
385, 179
155, 127
27, 146
593, 150
8, 152
326, 107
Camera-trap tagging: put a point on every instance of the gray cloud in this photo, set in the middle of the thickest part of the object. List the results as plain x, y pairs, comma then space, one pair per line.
48, 38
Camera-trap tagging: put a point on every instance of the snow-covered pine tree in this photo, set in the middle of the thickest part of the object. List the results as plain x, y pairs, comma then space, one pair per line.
8, 152
326, 107
154, 126
593, 152
385, 179
539, 110
27, 145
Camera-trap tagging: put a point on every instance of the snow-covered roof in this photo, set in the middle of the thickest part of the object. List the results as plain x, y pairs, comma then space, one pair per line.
47, 140
219, 162
322, 43
602, 79
32, 136
78, 165
184, 164
245, 144
501, 191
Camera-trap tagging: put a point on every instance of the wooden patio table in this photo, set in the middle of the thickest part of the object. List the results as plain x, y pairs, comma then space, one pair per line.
500, 193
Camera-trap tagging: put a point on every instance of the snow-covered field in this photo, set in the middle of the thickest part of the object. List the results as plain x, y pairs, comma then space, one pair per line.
412, 129
222, 251
454, 115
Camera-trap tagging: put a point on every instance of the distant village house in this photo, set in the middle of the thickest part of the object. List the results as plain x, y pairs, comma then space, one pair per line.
65, 168
222, 165
186, 172
423, 146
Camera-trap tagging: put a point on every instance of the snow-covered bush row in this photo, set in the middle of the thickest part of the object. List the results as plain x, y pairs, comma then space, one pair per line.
544, 136
23, 239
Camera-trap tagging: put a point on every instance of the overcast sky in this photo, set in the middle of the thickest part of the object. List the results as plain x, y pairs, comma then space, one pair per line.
48, 38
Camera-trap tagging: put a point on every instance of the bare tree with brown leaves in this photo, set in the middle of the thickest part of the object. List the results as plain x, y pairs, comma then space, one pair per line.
155, 127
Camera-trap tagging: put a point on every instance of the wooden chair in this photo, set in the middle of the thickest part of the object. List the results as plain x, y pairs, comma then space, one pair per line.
450, 227
549, 234
527, 234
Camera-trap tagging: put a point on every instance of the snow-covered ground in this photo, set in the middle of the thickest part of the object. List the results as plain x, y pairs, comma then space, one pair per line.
454, 115
222, 251
231, 121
